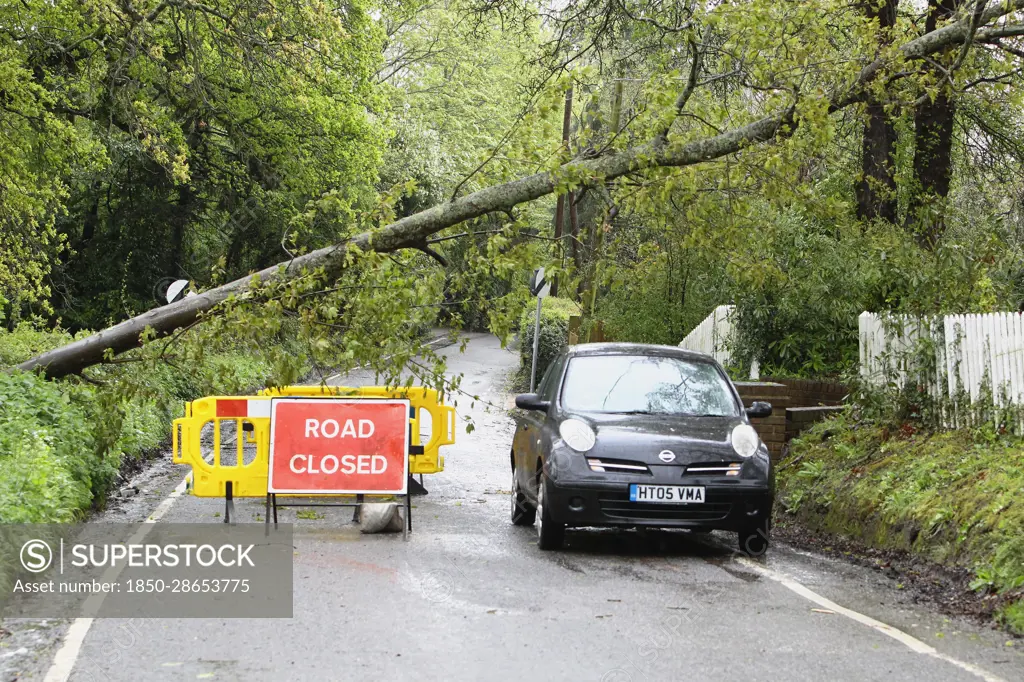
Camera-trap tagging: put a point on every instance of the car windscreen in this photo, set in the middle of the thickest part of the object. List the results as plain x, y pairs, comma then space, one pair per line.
635, 384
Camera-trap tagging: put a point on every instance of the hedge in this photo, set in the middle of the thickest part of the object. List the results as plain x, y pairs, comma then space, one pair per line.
63, 443
554, 332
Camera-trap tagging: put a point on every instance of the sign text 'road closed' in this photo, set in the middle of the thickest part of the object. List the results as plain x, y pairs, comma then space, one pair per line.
335, 445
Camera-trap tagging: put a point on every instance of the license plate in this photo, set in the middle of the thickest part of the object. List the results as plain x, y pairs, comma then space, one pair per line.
667, 494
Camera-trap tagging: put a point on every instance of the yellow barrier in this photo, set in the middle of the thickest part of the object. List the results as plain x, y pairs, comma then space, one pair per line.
226, 439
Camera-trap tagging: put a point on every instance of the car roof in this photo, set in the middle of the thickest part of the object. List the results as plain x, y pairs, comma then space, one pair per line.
616, 348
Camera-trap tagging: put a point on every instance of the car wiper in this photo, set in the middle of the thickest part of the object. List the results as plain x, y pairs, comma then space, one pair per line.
669, 414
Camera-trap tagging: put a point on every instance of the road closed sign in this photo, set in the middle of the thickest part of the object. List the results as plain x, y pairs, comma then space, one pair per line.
339, 446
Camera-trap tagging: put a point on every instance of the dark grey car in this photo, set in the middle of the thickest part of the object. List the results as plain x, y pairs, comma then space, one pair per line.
640, 435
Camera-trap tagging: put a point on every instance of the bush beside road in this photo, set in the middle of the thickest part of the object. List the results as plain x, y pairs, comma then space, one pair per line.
953, 498
554, 333
64, 443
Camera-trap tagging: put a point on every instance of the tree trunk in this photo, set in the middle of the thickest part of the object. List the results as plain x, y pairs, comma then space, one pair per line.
933, 138
574, 229
413, 230
876, 191
181, 220
579, 253
560, 204
933, 126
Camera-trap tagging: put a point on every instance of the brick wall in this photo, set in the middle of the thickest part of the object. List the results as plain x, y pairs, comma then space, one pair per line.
771, 429
809, 392
799, 419
796, 405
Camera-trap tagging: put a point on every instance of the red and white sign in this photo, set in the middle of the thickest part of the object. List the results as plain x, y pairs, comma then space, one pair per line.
336, 445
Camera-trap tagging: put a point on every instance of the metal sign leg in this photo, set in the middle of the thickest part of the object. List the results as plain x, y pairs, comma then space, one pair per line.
416, 487
407, 527
407, 524
229, 502
359, 506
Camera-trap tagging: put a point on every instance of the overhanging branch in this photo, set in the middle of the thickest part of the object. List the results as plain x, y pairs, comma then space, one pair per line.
412, 231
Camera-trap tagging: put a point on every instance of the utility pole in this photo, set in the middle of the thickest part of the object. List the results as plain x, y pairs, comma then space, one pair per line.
540, 288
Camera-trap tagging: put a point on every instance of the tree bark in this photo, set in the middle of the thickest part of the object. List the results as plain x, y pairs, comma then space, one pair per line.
560, 204
413, 230
933, 138
186, 197
876, 191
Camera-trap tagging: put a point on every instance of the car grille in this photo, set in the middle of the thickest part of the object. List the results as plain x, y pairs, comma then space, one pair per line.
713, 469
618, 466
617, 505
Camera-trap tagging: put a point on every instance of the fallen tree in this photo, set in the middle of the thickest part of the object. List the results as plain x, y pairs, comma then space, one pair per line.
412, 232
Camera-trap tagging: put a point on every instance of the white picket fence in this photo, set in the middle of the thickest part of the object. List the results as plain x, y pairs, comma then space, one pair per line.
712, 335
972, 356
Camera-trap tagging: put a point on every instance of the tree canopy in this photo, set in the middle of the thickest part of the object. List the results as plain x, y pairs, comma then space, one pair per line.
162, 139
378, 165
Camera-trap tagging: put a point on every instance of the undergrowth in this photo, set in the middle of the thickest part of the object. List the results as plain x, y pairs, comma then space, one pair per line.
63, 443
953, 497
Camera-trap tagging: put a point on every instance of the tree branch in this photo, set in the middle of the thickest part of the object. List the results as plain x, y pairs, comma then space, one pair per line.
684, 96
979, 10
438, 240
1007, 31
422, 246
413, 230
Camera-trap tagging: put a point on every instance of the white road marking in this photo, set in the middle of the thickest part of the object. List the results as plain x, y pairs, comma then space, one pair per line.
912, 643
64, 660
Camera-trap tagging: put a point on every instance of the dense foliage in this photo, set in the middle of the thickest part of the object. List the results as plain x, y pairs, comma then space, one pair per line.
160, 140
63, 444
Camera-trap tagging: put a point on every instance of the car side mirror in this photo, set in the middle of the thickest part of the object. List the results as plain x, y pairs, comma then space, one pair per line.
532, 401
759, 410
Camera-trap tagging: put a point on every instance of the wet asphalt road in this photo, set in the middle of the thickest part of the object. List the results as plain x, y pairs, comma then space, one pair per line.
470, 597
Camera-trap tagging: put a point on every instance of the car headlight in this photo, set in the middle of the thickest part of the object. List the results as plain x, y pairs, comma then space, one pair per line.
577, 434
745, 440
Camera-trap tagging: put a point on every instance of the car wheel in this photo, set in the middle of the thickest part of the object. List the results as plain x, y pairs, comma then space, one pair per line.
550, 533
523, 514
754, 541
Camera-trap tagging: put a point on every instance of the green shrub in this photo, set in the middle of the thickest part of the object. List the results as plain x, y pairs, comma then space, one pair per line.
805, 279
63, 443
658, 299
796, 310
554, 332
26, 341
45, 441
1012, 617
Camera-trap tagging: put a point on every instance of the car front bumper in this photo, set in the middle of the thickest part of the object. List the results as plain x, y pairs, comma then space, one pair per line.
592, 503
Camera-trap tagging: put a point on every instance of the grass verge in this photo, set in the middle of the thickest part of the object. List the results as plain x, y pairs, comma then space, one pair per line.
955, 498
